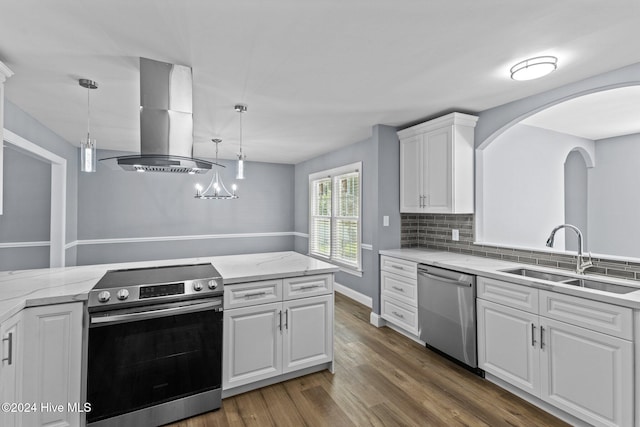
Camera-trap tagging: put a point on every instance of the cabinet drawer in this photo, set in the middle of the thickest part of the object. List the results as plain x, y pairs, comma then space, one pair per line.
307, 286
399, 287
399, 266
400, 314
252, 293
509, 294
594, 315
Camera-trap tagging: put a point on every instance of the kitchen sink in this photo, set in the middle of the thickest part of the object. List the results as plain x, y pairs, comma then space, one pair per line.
601, 286
573, 281
535, 274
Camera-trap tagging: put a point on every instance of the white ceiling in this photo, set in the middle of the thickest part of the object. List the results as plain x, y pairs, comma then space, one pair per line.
315, 75
595, 116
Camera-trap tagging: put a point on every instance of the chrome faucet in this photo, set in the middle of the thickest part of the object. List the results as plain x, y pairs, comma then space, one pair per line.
581, 264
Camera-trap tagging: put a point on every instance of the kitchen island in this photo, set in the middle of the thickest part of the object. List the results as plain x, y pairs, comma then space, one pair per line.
44, 328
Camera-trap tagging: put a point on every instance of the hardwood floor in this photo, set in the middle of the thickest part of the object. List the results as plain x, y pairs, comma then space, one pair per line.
382, 379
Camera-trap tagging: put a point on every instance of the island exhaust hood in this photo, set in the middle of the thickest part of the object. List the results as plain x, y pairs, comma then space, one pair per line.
166, 122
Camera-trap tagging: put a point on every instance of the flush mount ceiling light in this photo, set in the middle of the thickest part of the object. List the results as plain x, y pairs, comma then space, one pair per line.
216, 189
240, 108
88, 146
534, 68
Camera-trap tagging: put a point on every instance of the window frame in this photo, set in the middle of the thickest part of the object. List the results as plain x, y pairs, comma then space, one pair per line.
332, 174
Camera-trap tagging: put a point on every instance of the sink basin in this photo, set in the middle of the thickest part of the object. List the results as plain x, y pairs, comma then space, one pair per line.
535, 274
601, 286
573, 281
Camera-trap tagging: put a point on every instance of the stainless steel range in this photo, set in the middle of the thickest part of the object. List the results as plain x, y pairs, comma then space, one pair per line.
154, 348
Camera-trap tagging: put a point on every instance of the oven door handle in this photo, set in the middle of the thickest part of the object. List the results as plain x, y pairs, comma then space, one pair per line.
153, 314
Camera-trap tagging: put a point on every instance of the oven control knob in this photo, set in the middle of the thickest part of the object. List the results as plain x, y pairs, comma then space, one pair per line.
213, 284
197, 286
104, 296
122, 294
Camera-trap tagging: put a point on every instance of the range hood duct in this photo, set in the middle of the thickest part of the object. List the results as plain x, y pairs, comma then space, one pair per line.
166, 122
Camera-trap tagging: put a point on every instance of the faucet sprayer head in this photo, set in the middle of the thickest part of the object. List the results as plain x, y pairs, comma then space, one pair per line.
550, 239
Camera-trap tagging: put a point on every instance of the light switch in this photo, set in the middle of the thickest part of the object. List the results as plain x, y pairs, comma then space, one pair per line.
455, 234
385, 221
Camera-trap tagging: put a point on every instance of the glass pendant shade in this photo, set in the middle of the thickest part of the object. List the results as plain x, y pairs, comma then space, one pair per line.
88, 145
240, 170
88, 155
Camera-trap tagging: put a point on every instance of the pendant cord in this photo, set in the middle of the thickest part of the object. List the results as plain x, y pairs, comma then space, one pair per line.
88, 117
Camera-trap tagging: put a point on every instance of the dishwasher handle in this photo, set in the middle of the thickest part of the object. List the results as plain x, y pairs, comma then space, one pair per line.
465, 283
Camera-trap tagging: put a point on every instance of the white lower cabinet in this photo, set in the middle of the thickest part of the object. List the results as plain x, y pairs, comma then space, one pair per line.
11, 367
586, 373
43, 370
266, 340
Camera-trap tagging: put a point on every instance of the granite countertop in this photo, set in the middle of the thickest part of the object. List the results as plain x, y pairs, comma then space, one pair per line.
28, 288
491, 268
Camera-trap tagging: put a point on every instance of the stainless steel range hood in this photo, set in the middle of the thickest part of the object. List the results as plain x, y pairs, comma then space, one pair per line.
166, 122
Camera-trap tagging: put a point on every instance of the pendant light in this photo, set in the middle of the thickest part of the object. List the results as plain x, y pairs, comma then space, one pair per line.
240, 108
88, 146
216, 188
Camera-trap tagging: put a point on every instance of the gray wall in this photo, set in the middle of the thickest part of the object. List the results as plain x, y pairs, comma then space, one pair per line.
575, 199
614, 204
380, 157
124, 205
27, 189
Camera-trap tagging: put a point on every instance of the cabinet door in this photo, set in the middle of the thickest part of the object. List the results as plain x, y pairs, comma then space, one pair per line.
10, 384
252, 344
52, 353
437, 170
587, 373
410, 174
307, 332
507, 345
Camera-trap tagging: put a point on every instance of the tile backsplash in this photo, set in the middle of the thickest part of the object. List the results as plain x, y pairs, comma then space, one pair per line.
433, 231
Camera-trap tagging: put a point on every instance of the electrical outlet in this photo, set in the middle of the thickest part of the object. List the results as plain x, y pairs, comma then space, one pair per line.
455, 234
385, 221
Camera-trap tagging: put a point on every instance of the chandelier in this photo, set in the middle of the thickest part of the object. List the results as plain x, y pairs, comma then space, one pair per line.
216, 189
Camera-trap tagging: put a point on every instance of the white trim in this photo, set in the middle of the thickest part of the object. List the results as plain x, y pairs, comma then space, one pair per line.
366, 246
58, 193
187, 237
303, 235
146, 239
354, 295
10, 245
377, 320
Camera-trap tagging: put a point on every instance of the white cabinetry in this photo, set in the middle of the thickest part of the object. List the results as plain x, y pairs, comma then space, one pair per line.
571, 352
436, 165
399, 293
11, 367
264, 339
45, 368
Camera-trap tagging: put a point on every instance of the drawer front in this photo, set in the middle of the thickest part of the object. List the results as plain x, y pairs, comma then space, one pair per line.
509, 294
399, 287
399, 266
400, 314
307, 286
594, 315
252, 293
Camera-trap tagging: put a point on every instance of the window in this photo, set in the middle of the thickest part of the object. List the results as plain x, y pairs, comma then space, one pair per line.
334, 215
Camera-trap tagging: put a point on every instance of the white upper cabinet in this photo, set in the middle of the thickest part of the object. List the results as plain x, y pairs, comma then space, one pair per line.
436, 165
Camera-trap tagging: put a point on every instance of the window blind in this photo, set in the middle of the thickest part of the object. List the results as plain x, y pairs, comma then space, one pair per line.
334, 217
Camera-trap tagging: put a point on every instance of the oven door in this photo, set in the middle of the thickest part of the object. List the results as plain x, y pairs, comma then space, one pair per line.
145, 356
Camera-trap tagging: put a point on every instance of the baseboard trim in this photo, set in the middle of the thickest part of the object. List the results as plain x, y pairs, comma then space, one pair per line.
354, 295
377, 320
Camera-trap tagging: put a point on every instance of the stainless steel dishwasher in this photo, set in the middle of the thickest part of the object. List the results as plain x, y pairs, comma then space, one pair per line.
447, 313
